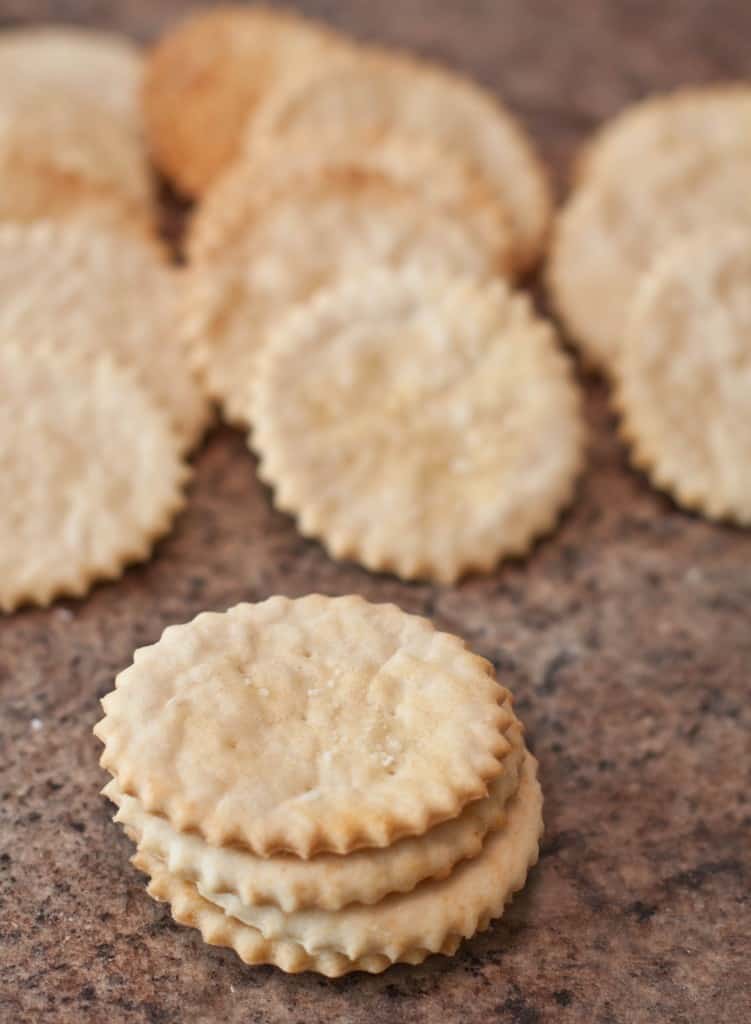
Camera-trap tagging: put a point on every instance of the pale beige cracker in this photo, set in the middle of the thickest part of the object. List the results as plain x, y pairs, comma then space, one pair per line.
378, 95
87, 64
256, 253
305, 726
217, 928
90, 474
435, 173
82, 286
610, 231
715, 119
432, 918
30, 191
419, 425
75, 137
328, 881
684, 376
205, 78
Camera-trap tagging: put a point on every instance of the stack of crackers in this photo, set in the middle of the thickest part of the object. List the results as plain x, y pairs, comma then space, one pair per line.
98, 404
651, 271
322, 784
349, 295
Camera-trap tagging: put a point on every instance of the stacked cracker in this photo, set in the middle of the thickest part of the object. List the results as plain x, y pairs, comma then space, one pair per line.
97, 402
651, 271
361, 216
322, 784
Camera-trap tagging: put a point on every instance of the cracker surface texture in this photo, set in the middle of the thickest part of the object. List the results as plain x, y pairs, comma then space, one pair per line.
75, 137
205, 78
377, 95
90, 474
715, 118
684, 377
305, 726
85, 64
609, 233
422, 426
81, 286
437, 174
254, 254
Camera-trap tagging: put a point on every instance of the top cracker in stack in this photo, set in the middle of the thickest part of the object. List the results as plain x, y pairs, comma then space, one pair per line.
322, 783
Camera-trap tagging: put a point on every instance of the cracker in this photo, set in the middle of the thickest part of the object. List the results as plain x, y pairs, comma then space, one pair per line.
435, 173
423, 426
205, 78
715, 119
74, 137
307, 726
378, 95
86, 64
90, 475
433, 918
610, 231
79, 286
30, 192
219, 929
327, 881
684, 376
256, 253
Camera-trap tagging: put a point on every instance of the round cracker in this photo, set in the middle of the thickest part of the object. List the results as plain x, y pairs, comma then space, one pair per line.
715, 119
217, 928
684, 376
90, 475
328, 881
394, 726
94, 290
379, 95
255, 253
439, 176
433, 918
610, 231
76, 138
88, 65
205, 78
30, 192
419, 425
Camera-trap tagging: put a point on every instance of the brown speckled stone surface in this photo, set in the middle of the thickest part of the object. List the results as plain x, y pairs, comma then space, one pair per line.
625, 637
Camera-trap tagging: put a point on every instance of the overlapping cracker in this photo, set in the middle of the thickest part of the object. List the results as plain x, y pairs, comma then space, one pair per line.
714, 118
74, 137
423, 426
90, 476
219, 929
684, 375
30, 191
205, 78
610, 231
254, 254
379, 94
434, 917
84, 287
435, 173
329, 881
340, 725
87, 65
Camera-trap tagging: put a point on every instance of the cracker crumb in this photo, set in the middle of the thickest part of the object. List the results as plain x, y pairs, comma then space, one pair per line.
36, 724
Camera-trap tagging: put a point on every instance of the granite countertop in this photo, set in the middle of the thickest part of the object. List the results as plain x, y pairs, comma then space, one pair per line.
625, 637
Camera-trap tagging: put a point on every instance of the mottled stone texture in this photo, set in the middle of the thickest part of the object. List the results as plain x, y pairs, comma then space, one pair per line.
625, 637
